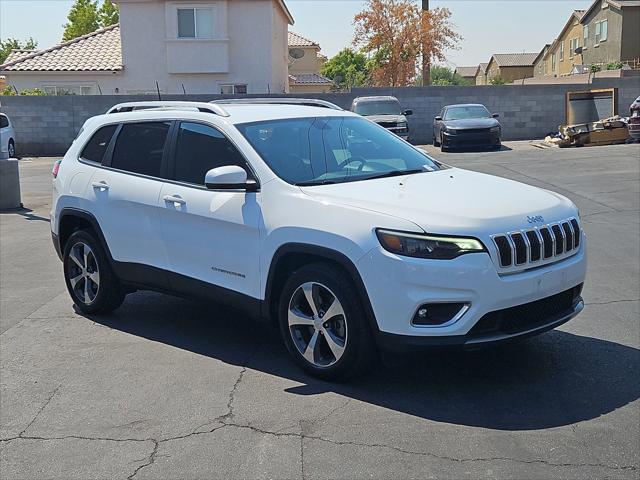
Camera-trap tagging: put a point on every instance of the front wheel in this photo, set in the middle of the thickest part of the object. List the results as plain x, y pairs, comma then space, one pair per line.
87, 272
323, 324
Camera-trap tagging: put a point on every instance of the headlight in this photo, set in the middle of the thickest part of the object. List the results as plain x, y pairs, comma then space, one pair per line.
402, 124
495, 129
451, 131
427, 246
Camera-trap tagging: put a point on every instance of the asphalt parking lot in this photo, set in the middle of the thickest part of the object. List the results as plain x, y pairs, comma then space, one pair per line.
167, 388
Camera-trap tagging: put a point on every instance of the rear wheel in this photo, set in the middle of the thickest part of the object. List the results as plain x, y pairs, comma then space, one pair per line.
323, 325
88, 275
11, 148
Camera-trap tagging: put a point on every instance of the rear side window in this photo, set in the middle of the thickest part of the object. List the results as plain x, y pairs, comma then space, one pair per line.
4, 121
140, 146
94, 150
201, 148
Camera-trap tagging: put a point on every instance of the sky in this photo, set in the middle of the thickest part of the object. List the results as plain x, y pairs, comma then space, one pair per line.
488, 26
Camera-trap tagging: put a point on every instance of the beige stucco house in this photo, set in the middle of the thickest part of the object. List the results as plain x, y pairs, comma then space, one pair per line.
561, 57
510, 66
176, 46
305, 61
468, 74
481, 74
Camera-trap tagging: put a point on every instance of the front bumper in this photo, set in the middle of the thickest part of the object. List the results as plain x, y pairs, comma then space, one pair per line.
409, 343
398, 286
462, 139
56, 244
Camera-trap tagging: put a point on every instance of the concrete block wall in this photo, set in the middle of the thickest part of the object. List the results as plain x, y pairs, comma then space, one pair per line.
48, 125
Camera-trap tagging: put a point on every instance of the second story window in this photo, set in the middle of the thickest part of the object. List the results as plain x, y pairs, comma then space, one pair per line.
553, 62
602, 31
585, 33
562, 51
195, 23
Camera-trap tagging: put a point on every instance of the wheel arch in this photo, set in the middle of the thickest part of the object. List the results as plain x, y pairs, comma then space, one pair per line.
291, 256
72, 219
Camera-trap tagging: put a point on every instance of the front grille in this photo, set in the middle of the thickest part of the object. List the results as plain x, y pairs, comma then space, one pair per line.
529, 315
388, 124
537, 246
473, 130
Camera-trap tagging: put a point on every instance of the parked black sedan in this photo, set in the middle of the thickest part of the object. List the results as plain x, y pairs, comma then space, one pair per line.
469, 125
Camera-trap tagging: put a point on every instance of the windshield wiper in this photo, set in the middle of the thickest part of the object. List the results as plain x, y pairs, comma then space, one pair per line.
314, 182
396, 173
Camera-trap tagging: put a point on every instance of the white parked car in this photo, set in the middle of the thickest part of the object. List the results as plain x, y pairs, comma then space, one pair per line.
7, 137
316, 219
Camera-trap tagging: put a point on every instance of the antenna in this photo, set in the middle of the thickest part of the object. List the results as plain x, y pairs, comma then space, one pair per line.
158, 90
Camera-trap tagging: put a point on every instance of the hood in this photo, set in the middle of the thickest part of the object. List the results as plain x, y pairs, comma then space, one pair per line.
472, 123
386, 118
451, 201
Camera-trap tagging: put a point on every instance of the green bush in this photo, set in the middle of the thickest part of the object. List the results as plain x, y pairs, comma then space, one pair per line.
614, 66
10, 91
595, 68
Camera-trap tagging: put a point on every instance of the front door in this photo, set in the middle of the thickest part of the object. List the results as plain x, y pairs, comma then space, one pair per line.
210, 235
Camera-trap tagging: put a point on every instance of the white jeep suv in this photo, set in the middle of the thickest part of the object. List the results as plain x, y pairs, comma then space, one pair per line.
316, 219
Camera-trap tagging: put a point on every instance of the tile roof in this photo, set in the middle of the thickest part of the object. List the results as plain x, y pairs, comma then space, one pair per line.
17, 54
615, 3
296, 40
483, 67
309, 79
515, 59
97, 51
467, 71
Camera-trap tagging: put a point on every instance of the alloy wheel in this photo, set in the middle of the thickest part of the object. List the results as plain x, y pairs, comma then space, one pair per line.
83, 273
12, 150
317, 324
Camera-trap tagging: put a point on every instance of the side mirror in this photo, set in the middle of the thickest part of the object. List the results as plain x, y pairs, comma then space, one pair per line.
438, 118
495, 115
406, 113
229, 177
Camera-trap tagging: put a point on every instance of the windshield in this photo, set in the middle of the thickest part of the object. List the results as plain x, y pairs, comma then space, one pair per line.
314, 151
471, 111
378, 107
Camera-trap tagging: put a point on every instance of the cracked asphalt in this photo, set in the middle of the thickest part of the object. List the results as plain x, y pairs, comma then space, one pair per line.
165, 388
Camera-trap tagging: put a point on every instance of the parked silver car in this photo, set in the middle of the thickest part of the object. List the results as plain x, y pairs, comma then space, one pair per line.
386, 111
7, 137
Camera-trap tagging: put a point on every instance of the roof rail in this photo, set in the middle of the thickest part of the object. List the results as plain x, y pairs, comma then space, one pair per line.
160, 105
308, 102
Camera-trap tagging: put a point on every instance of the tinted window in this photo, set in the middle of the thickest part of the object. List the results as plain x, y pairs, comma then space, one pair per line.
94, 150
4, 121
378, 107
471, 111
201, 148
333, 149
140, 146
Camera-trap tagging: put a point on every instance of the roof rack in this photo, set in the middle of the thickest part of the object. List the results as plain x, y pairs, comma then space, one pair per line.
308, 102
159, 105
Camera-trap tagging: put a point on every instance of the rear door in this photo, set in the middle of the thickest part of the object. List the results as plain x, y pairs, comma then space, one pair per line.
210, 235
125, 193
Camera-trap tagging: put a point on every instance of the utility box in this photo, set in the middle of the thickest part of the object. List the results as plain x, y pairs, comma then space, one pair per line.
9, 184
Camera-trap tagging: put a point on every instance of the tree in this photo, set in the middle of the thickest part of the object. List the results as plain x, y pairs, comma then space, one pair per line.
443, 76
83, 19
395, 33
347, 69
13, 44
497, 80
108, 14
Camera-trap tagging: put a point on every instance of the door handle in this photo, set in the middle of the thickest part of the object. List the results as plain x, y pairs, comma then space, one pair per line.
174, 199
100, 185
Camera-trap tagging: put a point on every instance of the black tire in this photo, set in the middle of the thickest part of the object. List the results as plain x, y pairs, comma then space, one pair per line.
359, 347
11, 148
435, 142
89, 297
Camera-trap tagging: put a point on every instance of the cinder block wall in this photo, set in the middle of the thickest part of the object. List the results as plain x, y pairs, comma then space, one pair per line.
48, 125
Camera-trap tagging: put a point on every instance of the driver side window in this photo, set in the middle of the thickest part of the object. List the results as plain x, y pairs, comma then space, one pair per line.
200, 148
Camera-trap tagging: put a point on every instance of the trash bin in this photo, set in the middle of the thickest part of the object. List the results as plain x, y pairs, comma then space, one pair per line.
9, 184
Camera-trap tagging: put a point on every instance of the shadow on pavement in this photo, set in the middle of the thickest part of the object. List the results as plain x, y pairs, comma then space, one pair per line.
26, 213
553, 380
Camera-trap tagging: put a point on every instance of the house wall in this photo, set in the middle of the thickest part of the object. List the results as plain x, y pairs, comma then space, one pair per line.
312, 88
611, 49
48, 125
565, 64
509, 74
481, 78
307, 64
630, 34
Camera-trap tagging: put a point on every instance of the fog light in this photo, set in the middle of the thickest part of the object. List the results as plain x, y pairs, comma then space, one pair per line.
433, 314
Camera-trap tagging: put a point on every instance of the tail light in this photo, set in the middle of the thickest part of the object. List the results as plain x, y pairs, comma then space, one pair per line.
56, 167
